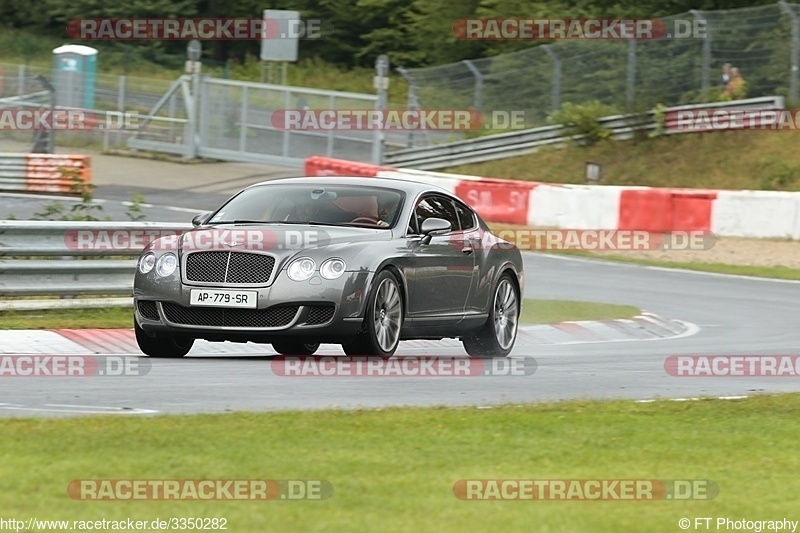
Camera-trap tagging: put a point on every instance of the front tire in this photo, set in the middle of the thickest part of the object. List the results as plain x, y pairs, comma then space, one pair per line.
384, 318
496, 338
162, 346
290, 347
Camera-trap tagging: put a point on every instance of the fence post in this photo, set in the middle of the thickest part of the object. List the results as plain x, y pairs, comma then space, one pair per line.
329, 147
381, 86
630, 86
123, 82
795, 53
706, 69
21, 80
555, 96
243, 120
411, 103
477, 101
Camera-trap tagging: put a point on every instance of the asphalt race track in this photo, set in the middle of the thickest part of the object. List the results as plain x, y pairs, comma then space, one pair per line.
733, 315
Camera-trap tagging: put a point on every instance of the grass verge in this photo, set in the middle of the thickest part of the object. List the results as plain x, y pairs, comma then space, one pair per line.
394, 469
775, 272
100, 318
555, 311
534, 312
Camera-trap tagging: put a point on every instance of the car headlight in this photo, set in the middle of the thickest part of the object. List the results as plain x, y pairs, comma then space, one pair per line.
332, 268
301, 269
166, 264
147, 262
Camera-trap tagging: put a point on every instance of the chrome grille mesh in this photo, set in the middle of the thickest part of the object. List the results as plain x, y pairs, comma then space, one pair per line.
229, 267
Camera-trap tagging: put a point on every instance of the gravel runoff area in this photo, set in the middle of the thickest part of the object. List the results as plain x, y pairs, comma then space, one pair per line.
728, 250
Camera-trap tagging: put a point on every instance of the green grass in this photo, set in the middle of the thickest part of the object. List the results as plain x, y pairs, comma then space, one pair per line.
394, 469
102, 318
534, 311
718, 160
554, 311
775, 272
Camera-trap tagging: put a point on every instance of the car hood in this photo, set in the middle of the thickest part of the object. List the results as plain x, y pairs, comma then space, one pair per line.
282, 240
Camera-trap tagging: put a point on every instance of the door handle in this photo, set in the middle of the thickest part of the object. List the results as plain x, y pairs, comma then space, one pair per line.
467, 249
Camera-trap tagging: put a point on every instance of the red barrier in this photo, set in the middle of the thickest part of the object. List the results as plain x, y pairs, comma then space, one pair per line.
645, 209
496, 200
691, 210
665, 209
327, 166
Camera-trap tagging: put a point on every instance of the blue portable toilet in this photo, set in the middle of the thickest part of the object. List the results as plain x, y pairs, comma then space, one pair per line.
74, 73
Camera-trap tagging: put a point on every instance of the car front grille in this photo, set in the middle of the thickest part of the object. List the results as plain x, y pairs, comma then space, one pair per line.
229, 267
274, 317
148, 309
320, 314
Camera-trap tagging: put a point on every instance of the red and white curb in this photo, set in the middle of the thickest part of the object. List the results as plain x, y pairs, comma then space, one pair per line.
646, 326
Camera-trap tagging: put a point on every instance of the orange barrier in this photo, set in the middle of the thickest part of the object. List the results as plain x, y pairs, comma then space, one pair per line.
57, 173
327, 166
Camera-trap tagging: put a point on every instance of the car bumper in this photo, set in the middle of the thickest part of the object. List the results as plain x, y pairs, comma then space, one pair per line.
316, 309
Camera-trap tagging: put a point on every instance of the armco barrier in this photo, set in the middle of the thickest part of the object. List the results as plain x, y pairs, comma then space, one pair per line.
47, 257
760, 214
43, 172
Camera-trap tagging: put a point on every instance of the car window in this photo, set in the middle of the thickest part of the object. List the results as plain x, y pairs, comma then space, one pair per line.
435, 207
465, 217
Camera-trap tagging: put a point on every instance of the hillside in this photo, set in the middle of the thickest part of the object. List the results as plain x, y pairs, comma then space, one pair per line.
718, 160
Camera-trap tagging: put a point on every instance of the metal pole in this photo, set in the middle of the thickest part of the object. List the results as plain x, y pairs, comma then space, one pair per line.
795, 52
630, 88
555, 97
243, 121
381, 72
411, 102
706, 72
478, 98
121, 94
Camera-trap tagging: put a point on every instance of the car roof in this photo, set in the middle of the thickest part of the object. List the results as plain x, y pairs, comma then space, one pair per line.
408, 186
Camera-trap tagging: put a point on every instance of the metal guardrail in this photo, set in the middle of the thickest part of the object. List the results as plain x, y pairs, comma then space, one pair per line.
523, 142
43, 258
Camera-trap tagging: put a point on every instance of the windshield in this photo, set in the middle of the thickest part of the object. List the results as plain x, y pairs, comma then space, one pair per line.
373, 207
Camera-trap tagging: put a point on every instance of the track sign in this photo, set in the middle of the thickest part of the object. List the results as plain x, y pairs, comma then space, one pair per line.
283, 30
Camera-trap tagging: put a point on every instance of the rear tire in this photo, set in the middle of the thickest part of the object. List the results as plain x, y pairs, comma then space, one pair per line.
384, 318
496, 338
290, 347
162, 346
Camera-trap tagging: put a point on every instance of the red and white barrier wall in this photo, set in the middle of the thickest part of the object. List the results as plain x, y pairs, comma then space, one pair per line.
760, 214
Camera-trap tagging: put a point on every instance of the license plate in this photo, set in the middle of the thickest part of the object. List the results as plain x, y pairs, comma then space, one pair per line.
223, 298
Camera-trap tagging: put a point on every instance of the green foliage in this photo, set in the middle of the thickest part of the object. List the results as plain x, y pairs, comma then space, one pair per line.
135, 211
659, 116
779, 175
583, 119
83, 210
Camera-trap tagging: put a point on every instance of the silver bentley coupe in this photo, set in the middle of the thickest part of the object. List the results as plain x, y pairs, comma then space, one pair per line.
361, 262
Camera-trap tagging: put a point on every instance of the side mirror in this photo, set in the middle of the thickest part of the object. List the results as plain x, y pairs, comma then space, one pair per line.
434, 226
201, 218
